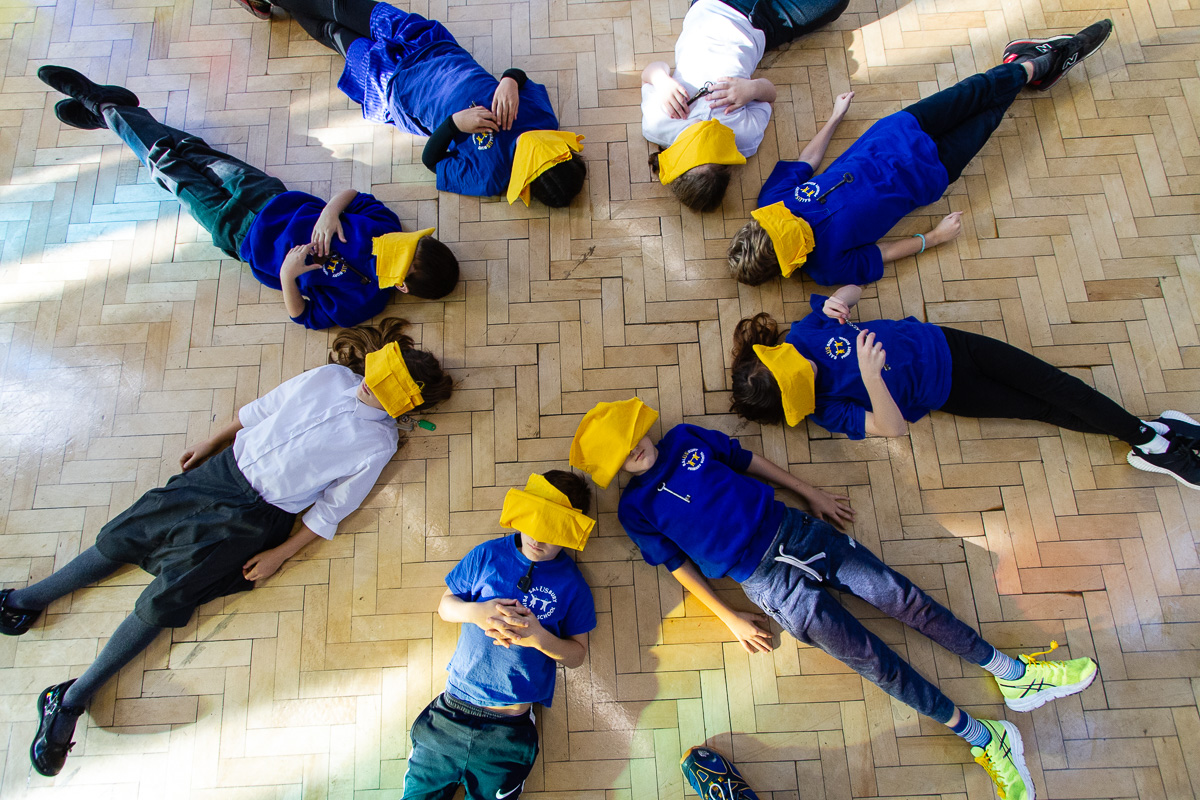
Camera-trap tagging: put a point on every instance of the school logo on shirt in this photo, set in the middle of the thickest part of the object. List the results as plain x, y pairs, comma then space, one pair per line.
483, 141
542, 601
693, 459
807, 191
335, 266
838, 347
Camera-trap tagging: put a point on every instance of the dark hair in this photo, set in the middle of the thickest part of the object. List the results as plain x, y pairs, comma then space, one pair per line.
434, 270
751, 255
557, 186
351, 346
756, 394
574, 487
701, 188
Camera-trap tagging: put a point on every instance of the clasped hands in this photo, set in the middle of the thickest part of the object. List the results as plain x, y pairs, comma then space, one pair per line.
506, 622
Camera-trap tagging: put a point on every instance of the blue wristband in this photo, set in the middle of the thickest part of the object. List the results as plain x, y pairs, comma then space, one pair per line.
920, 236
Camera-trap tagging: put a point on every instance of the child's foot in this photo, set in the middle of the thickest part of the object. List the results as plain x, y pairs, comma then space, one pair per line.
72, 113
56, 724
1067, 51
1179, 462
14, 621
79, 86
1044, 681
1181, 427
259, 8
1004, 760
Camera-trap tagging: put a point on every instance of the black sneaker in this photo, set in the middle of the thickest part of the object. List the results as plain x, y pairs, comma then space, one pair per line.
73, 113
48, 756
1179, 462
92, 95
1072, 51
1181, 428
259, 8
14, 621
1018, 51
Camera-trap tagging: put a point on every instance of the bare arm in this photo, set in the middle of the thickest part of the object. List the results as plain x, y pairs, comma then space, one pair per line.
263, 565
947, 229
832, 508
814, 152
196, 454
742, 625
329, 223
884, 418
508, 622
673, 96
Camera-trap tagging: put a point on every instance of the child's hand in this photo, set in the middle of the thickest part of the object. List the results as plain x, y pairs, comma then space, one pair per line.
262, 566
833, 508
674, 96
475, 119
491, 619
753, 639
296, 262
195, 455
505, 102
326, 228
835, 308
841, 104
522, 626
949, 228
732, 93
871, 355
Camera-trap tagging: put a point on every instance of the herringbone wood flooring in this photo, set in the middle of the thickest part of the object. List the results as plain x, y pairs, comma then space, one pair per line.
124, 335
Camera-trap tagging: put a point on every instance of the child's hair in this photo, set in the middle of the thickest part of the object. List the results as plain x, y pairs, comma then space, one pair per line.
557, 186
752, 255
756, 394
351, 345
701, 188
574, 487
434, 270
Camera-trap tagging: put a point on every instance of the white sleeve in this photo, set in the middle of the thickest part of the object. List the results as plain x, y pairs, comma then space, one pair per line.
657, 127
256, 411
750, 125
342, 497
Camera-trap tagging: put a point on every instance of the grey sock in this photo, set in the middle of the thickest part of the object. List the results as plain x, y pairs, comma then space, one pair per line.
84, 570
1042, 65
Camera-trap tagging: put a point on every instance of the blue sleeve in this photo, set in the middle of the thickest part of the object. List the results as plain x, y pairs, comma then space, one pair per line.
656, 549
461, 580
581, 613
841, 416
372, 211
725, 449
786, 176
860, 265
322, 309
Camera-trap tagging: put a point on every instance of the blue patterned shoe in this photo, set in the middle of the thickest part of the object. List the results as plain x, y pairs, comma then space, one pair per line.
713, 777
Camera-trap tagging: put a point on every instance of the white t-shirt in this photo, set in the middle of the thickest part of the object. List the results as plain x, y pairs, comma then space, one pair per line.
716, 42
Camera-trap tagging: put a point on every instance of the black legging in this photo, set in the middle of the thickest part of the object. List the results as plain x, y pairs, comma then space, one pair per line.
991, 378
334, 23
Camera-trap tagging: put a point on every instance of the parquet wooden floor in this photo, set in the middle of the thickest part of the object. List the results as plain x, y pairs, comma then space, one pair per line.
124, 334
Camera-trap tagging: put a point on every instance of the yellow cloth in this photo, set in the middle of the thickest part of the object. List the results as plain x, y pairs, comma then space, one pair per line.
394, 254
794, 374
389, 380
606, 436
707, 142
545, 514
791, 236
538, 151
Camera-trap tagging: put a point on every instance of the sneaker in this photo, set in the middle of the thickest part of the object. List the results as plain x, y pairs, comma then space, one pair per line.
47, 755
1004, 761
259, 8
712, 776
79, 86
72, 113
1044, 681
1179, 462
1181, 427
1018, 51
1071, 52
14, 621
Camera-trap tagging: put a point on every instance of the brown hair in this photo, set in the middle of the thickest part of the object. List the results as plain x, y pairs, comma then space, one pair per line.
756, 394
351, 346
574, 487
701, 188
752, 255
434, 270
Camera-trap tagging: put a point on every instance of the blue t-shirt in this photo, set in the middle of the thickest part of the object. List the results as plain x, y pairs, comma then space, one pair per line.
917, 373
895, 169
696, 503
489, 675
412, 74
344, 292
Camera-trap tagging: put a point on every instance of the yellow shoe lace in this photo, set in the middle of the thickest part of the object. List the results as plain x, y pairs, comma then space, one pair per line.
1032, 658
986, 763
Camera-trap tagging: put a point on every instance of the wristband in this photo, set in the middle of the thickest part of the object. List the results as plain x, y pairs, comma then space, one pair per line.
920, 236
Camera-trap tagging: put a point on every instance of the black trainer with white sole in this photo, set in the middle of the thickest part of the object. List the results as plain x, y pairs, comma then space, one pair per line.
1181, 427
1178, 461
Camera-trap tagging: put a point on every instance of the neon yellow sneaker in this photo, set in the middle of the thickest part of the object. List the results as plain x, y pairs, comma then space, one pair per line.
1044, 681
1004, 761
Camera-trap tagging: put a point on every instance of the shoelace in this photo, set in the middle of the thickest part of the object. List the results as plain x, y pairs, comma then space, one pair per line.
986, 763
1032, 658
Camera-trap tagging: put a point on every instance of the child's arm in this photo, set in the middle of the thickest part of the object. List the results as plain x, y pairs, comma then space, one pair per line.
475, 119
833, 508
734, 93
674, 96
329, 223
814, 152
295, 264
949, 228
506, 100
523, 628
742, 625
837, 305
196, 454
263, 565
884, 418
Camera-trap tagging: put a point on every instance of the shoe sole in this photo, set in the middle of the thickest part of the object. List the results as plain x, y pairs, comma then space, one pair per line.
1179, 416
1039, 699
1145, 466
1063, 74
41, 724
1017, 746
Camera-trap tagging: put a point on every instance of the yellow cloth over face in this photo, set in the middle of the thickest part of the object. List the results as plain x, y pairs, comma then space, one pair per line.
606, 436
538, 151
791, 236
707, 142
389, 380
544, 513
394, 254
794, 374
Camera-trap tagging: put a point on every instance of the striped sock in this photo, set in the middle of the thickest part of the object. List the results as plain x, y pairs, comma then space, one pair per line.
1004, 667
971, 729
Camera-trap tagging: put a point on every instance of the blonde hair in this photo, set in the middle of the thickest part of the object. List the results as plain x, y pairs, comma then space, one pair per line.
751, 255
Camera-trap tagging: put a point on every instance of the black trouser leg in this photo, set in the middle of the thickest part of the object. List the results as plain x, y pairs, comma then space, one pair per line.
352, 14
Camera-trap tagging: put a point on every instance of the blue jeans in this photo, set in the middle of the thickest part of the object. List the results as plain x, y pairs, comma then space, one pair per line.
790, 584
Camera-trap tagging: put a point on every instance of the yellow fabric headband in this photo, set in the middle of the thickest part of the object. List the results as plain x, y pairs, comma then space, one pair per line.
545, 514
538, 151
791, 236
607, 434
794, 374
389, 380
394, 254
707, 142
